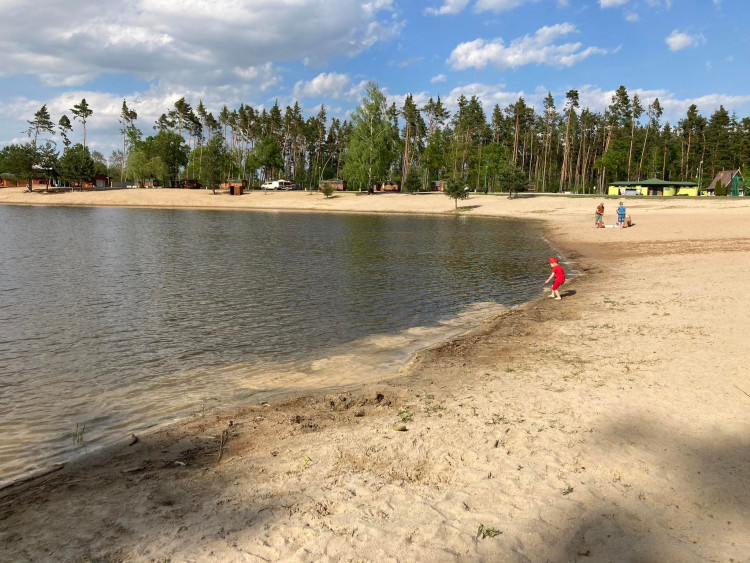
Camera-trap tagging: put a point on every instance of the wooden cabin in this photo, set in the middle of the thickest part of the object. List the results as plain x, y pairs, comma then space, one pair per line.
335, 183
385, 187
234, 182
729, 179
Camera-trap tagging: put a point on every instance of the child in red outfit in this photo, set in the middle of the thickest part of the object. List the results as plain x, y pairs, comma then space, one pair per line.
559, 274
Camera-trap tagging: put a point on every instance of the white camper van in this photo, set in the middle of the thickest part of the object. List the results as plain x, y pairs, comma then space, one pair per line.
278, 185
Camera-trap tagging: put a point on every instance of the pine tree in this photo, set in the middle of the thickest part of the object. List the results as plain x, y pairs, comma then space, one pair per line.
718, 147
456, 190
127, 118
571, 105
42, 123
654, 113
636, 114
65, 128
550, 116
436, 115
82, 111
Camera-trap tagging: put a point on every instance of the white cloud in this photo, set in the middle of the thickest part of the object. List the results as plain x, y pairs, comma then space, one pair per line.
374, 6
190, 42
498, 6
632, 17
660, 4
678, 40
264, 77
438, 78
448, 7
539, 49
330, 85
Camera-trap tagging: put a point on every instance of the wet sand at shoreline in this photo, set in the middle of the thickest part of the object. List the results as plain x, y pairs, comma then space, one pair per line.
610, 426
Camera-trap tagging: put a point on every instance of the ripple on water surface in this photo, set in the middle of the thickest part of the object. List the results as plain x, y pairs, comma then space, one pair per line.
126, 318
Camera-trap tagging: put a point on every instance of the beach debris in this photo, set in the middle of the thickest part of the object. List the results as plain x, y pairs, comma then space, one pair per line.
359, 414
487, 532
222, 441
400, 428
405, 415
133, 440
180, 463
568, 490
78, 436
134, 469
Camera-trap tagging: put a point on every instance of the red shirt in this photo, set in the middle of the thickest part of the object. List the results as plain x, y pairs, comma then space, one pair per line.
559, 273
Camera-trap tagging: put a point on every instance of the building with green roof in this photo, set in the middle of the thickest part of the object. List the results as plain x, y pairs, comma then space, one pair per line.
654, 186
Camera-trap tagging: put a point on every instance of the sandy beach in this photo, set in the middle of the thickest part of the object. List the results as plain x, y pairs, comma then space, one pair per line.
613, 425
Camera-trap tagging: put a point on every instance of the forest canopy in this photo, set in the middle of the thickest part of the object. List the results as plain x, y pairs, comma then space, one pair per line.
560, 146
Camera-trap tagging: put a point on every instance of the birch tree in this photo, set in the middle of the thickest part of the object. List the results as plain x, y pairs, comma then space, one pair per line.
372, 145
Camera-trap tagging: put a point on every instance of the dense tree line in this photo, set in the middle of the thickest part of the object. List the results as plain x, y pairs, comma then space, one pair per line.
558, 147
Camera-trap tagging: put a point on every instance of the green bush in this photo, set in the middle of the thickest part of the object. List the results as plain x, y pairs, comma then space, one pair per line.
413, 181
456, 190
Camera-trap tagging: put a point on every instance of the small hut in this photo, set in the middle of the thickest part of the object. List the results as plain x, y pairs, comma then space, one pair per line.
653, 186
729, 179
102, 181
385, 187
335, 183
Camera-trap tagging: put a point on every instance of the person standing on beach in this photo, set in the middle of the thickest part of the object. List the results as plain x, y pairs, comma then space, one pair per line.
621, 215
559, 274
599, 218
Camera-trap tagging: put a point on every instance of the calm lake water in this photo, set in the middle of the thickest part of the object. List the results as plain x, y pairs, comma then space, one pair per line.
121, 319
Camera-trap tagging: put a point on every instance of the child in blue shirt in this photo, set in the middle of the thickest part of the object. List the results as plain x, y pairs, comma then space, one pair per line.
621, 215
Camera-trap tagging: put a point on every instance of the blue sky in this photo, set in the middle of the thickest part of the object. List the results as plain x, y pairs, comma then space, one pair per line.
152, 52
